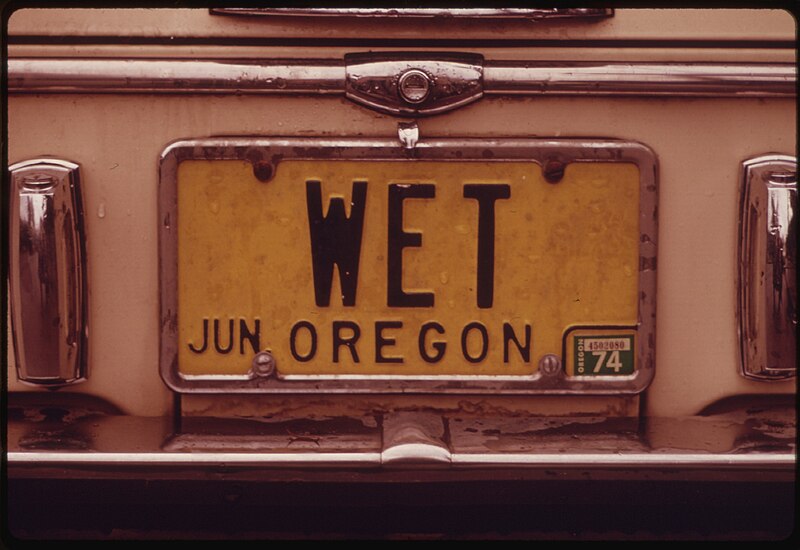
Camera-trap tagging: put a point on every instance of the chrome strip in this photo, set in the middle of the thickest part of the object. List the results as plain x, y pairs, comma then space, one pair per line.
174, 76
192, 458
767, 272
630, 460
328, 77
47, 278
672, 79
571, 460
402, 13
538, 150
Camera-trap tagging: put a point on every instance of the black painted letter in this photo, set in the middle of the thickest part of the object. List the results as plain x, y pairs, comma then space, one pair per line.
293, 341
381, 341
440, 347
524, 349
484, 338
399, 239
335, 239
205, 339
253, 337
216, 337
350, 342
486, 195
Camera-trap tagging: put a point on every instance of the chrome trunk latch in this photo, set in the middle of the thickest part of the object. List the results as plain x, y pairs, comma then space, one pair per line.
413, 84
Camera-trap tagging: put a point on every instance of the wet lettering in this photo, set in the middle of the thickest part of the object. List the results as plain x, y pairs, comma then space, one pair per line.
398, 240
335, 239
486, 195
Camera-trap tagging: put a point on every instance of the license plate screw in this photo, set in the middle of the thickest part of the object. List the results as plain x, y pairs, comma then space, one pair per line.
554, 170
549, 364
263, 364
263, 171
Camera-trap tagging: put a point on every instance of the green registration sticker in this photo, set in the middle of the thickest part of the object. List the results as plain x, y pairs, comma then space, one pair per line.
603, 355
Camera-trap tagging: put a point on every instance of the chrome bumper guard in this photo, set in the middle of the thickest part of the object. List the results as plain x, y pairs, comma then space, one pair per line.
754, 444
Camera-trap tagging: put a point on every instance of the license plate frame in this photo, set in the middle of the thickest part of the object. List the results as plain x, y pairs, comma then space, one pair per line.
541, 151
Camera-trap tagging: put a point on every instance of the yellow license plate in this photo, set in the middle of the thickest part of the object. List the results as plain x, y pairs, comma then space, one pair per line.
384, 269
387, 268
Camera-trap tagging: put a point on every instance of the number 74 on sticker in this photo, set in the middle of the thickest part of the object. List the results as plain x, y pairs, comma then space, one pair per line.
604, 355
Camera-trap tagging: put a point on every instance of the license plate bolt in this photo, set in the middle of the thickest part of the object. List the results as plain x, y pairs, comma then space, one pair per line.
549, 365
263, 171
263, 364
554, 170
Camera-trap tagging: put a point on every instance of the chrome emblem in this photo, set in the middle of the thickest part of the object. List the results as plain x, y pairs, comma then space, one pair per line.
413, 84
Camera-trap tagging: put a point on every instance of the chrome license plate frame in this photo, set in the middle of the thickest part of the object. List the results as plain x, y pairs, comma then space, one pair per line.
272, 150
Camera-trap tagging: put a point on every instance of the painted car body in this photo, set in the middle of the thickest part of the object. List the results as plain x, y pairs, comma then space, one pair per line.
112, 90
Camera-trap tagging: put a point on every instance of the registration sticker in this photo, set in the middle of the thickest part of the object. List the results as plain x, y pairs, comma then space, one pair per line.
602, 354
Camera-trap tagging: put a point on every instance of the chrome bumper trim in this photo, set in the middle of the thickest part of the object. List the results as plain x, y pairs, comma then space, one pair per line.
748, 444
650, 79
526, 14
298, 460
189, 459
173, 76
314, 76
637, 460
